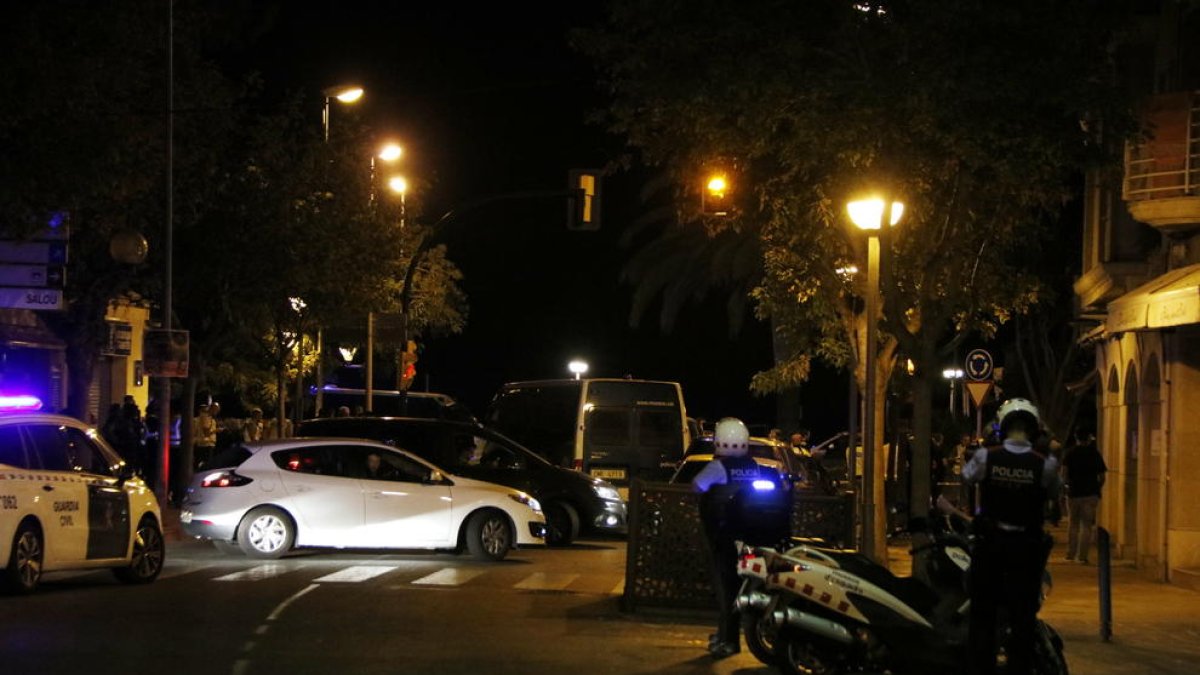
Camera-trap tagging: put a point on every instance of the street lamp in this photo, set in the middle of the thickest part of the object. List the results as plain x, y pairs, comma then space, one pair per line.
869, 215
344, 94
715, 199
952, 374
578, 367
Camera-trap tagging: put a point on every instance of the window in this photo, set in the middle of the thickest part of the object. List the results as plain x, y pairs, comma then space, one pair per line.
12, 451
485, 453
659, 429
49, 448
84, 455
390, 466
608, 427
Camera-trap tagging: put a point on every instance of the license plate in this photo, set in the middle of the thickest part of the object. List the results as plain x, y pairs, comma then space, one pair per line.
609, 474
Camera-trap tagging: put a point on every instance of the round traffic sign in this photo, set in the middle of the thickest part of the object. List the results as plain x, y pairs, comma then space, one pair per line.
979, 365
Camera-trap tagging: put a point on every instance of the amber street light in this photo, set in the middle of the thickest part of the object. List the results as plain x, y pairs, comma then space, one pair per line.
345, 94
715, 201
868, 215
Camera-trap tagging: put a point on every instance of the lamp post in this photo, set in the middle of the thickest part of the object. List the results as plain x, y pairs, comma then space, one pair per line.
952, 374
344, 94
578, 367
389, 152
871, 215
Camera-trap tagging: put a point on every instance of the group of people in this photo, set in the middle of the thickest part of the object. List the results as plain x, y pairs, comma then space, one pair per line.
131, 434
1015, 480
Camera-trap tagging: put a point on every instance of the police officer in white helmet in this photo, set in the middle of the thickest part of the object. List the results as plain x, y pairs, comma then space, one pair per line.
719, 483
1009, 555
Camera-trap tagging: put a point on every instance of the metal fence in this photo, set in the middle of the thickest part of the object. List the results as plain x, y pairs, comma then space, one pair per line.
667, 562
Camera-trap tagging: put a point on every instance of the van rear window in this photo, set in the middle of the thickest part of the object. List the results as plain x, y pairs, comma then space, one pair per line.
650, 394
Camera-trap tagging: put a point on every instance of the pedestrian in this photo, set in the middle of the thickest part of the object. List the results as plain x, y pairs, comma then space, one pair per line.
204, 437
134, 431
724, 484
961, 453
1085, 471
342, 411
937, 464
113, 421
253, 428
1008, 557
799, 442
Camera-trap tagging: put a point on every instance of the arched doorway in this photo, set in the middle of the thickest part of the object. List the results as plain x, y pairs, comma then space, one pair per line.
1130, 463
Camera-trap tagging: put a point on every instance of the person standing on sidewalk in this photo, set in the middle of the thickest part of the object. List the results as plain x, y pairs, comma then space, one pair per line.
1085, 471
1009, 554
204, 437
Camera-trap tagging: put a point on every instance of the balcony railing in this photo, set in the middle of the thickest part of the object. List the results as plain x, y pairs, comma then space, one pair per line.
1167, 165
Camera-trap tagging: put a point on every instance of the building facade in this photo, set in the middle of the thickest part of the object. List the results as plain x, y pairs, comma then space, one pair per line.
1140, 291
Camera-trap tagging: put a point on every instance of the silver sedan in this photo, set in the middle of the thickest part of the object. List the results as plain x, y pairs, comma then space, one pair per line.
271, 497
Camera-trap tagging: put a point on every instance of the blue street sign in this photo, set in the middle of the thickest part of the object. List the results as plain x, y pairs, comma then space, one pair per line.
978, 365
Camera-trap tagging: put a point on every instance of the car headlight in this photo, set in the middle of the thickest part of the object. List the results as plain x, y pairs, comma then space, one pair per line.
525, 499
606, 492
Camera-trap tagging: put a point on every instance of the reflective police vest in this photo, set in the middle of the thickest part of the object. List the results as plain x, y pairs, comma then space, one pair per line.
720, 505
1011, 492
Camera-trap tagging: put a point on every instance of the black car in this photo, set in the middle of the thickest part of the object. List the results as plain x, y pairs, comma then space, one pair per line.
571, 500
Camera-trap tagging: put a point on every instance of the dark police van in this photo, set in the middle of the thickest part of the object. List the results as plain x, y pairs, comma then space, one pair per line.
615, 429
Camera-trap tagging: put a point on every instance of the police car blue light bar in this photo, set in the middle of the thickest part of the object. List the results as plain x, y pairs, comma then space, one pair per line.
763, 484
19, 403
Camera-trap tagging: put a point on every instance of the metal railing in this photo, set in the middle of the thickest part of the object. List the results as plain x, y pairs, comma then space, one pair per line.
1162, 168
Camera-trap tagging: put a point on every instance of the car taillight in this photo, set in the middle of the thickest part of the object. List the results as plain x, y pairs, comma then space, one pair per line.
220, 479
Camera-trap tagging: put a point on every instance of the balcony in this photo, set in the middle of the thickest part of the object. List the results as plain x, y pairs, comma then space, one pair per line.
1162, 174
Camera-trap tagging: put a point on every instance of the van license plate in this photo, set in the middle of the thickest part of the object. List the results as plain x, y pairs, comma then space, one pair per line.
609, 474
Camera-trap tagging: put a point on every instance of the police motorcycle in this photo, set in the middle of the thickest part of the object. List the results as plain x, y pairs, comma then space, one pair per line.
825, 611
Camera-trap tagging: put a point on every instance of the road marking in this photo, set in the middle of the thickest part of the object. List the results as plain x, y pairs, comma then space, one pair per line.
451, 576
356, 573
292, 598
545, 581
257, 573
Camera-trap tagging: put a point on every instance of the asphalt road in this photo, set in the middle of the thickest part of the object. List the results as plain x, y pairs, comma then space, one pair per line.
539, 611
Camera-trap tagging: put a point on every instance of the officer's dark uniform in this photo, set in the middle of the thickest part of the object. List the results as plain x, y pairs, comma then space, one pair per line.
721, 510
1008, 559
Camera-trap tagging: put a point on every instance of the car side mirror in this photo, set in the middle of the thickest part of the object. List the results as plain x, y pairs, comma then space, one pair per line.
436, 478
126, 473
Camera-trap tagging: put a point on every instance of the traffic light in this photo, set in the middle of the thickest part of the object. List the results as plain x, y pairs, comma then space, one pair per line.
714, 199
583, 201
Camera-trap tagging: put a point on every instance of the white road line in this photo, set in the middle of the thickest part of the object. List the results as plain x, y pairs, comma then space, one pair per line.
545, 581
170, 572
256, 573
451, 576
292, 598
356, 573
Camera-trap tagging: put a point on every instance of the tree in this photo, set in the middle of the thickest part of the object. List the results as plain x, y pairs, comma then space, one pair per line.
969, 112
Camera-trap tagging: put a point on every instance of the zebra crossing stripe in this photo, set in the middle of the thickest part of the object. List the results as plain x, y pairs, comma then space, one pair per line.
545, 581
256, 573
451, 576
356, 573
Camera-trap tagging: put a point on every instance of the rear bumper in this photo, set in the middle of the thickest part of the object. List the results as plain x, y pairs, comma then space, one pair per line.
204, 527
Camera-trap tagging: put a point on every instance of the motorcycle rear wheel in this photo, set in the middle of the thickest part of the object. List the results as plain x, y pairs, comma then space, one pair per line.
798, 655
760, 637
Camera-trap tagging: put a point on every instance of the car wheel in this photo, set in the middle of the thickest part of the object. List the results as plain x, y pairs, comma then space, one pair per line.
24, 569
226, 547
149, 554
266, 532
562, 524
488, 535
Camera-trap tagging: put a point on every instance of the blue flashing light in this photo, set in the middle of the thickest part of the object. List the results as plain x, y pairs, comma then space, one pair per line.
761, 484
19, 403
57, 219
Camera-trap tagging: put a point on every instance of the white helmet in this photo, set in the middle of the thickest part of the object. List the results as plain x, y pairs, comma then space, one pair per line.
1018, 408
731, 438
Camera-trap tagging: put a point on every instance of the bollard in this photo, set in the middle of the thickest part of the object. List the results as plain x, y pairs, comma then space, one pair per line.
1104, 571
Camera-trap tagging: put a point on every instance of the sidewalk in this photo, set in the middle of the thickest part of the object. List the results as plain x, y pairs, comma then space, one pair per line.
1156, 627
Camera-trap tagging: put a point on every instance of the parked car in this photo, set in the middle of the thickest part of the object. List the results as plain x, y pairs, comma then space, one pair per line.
572, 501
768, 453
387, 402
68, 501
271, 497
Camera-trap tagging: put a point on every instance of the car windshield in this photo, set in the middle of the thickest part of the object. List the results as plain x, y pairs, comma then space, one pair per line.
688, 471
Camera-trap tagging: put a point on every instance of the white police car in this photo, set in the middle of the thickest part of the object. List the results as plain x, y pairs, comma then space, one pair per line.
67, 501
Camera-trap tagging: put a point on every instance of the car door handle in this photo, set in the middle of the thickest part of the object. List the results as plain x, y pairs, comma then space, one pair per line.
48, 488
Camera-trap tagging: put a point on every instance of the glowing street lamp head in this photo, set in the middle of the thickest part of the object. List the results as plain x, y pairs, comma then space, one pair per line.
578, 367
867, 213
717, 185
390, 152
398, 184
347, 94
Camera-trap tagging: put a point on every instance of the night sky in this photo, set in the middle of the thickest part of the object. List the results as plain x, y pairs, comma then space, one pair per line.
492, 99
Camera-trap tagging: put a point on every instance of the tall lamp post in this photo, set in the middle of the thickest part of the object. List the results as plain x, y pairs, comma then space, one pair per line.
389, 152
342, 94
952, 374
578, 367
871, 215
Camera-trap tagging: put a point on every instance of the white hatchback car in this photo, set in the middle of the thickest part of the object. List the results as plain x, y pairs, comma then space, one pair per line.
67, 501
325, 492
